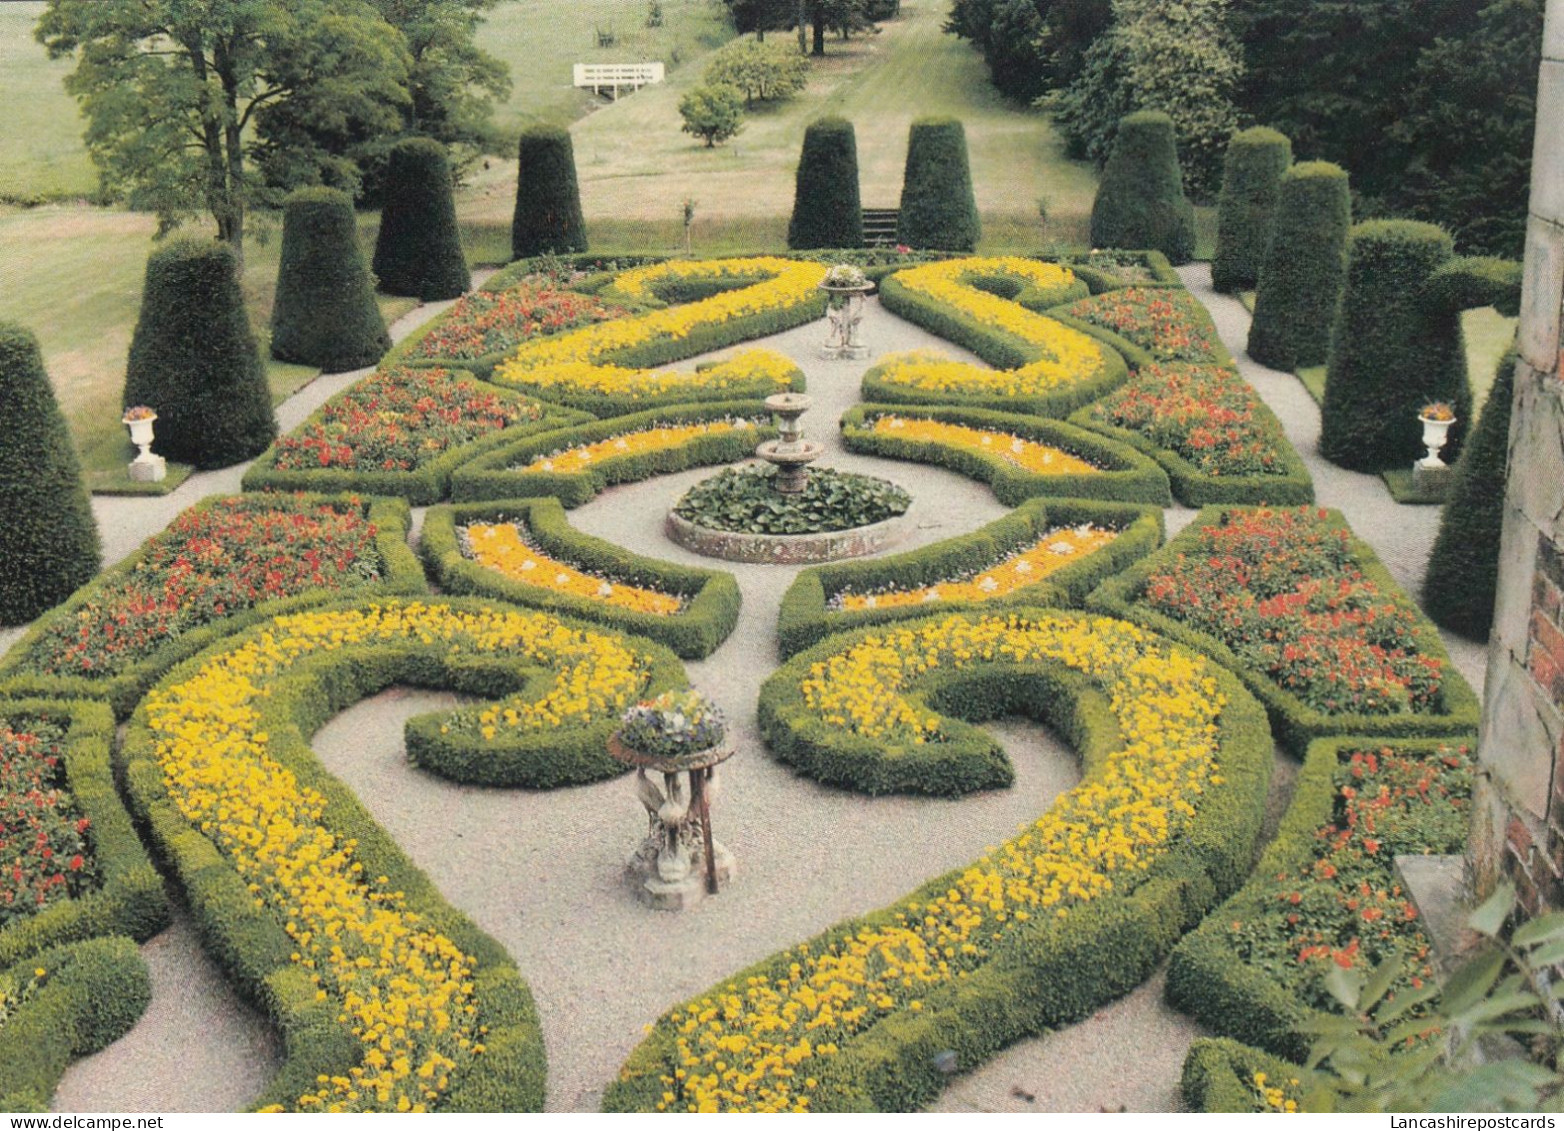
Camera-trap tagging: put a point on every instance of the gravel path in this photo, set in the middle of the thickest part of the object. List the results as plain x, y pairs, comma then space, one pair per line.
541, 871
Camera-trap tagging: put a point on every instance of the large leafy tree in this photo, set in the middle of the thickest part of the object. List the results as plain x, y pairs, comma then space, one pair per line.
174, 91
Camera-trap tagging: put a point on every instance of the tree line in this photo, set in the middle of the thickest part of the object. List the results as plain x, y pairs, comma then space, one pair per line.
1430, 103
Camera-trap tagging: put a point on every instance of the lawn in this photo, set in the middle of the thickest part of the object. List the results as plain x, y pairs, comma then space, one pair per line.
41, 152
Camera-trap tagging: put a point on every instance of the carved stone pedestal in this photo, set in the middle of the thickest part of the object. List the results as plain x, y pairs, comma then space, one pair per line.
679, 863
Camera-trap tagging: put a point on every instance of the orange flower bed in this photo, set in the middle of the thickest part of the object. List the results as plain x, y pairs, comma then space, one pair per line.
500, 546
1057, 548
632, 443
1026, 454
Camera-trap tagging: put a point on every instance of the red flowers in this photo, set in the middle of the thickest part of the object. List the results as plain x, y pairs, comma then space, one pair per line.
207, 564
398, 420
39, 826
1281, 589
482, 324
1170, 324
1205, 413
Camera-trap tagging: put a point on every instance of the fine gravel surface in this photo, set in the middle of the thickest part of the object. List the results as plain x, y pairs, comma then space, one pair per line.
542, 871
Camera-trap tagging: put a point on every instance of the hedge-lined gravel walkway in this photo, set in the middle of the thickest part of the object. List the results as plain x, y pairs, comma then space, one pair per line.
541, 870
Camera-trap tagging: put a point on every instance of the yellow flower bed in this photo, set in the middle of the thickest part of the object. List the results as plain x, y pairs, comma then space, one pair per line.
1057, 548
1067, 354
500, 546
575, 360
635, 443
1273, 1097
1023, 453
405, 990
759, 1046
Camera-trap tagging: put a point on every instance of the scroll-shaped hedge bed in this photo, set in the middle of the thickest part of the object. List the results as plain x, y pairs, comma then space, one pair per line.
211, 538
1119, 472
710, 598
385, 994
1031, 936
807, 615
524, 469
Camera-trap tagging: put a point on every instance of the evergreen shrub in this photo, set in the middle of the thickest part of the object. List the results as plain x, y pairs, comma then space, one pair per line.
1305, 263
548, 199
1256, 160
938, 209
325, 313
826, 208
419, 250
1140, 202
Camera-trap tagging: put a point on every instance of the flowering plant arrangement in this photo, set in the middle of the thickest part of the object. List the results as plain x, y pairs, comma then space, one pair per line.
44, 854
482, 324
1044, 459
844, 275
673, 724
1171, 324
1438, 410
138, 412
505, 547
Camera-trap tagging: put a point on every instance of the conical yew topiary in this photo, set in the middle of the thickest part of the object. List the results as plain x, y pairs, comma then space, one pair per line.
48, 539
419, 250
194, 359
826, 208
1304, 267
1463, 570
325, 313
1140, 202
548, 199
1252, 174
938, 209
1391, 352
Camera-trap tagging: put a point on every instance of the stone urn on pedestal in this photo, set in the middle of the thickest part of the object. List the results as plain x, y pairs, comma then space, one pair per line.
675, 742
846, 287
1431, 474
146, 467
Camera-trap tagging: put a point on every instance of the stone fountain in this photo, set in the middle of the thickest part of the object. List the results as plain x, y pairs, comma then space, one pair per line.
789, 453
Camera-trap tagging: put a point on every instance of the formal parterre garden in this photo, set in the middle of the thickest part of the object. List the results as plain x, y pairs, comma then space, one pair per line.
1103, 395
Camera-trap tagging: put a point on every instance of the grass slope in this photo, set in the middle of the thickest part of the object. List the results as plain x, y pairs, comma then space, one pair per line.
41, 152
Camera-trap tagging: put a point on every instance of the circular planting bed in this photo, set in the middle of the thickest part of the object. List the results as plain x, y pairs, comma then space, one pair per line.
739, 515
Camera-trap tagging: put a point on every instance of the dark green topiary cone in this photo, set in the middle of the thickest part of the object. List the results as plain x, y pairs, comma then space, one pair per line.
1305, 264
325, 313
938, 209
1251, 177
419, 250
548, 199
1140, 203
826, 208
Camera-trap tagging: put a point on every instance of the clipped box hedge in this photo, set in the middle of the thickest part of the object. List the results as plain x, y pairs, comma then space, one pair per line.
400, 573
1219, 1075
499, 474
1207, 978
712, 597
1297, 724
1196, 488
129, 898
1050, 973
250, 942
1128, 476
420, 486
1137, 355
1093, 270
998, 348
806, 618
90, 995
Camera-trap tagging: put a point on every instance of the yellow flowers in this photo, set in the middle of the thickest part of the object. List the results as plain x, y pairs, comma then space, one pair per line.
500, 546
1273, 1097
1067, 355
1023, 453
642, 440
1056, 548
578, 361
761, 1046
405, 990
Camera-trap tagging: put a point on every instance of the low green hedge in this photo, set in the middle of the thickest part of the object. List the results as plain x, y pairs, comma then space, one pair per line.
712, 598
1219, 1075
1139, 356
250, 942
90, 994
1207, 978
1000, 349
1196, 488
1136, 357
1055, 970
420, 486
806, 619
499, 474
401, 573
129, 897
1093, 270
1296, 723
1128, 476
596, 265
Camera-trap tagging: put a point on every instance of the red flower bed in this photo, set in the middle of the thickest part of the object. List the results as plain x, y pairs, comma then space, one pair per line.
1345, 907
1170, 324
398, 420
209, 563
44, 855
1281, 589
1205, 413
482, 324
